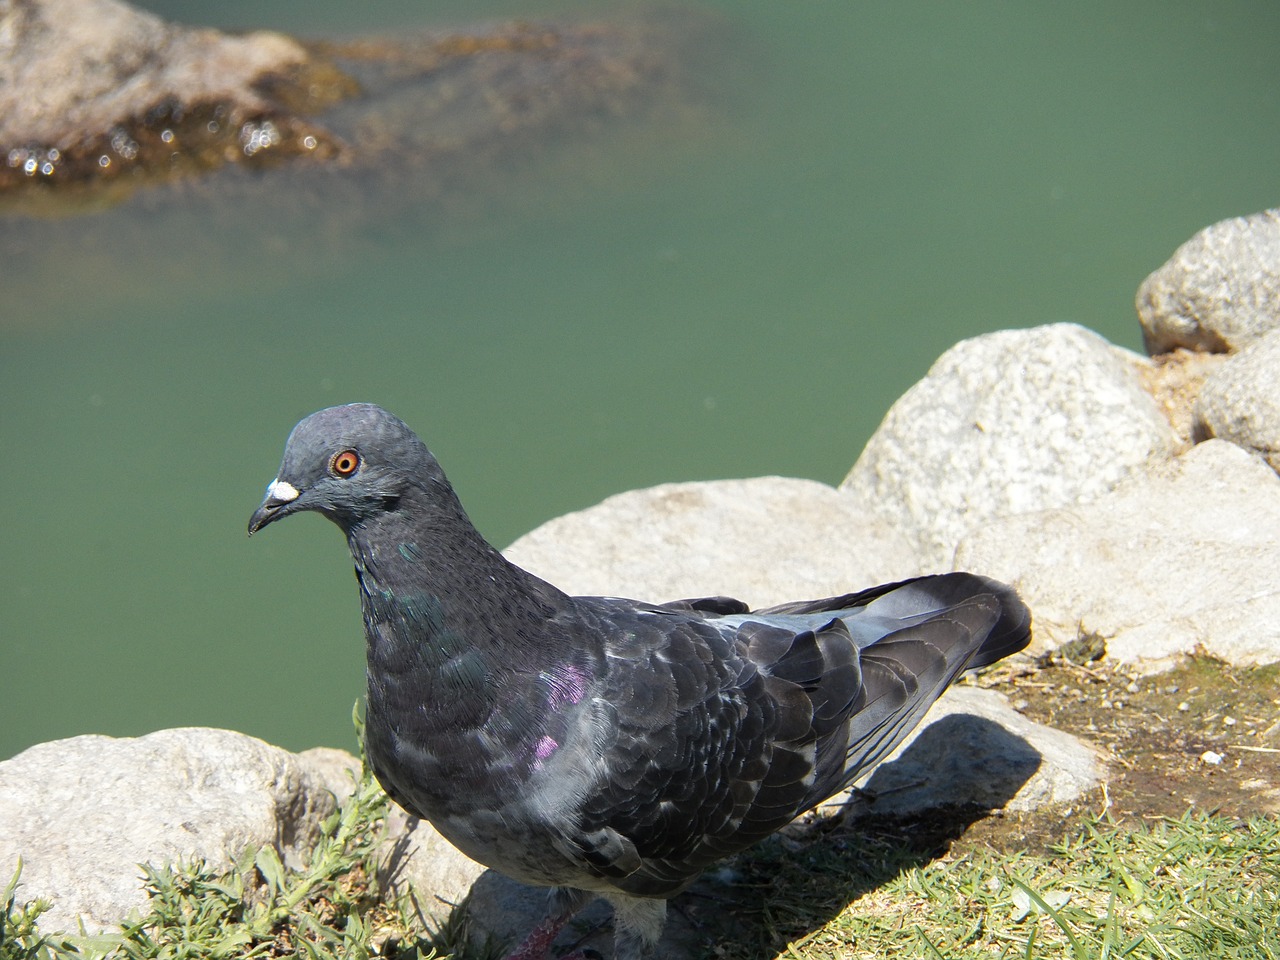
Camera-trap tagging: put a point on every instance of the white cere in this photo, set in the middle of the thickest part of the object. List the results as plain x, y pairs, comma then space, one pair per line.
282, 490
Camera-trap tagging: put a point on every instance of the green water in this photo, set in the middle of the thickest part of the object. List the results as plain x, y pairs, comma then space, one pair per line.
745, 298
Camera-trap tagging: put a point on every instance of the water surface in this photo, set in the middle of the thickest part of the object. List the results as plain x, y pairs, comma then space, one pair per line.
741, 295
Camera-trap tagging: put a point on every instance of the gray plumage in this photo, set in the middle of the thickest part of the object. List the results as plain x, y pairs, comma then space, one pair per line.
599, 745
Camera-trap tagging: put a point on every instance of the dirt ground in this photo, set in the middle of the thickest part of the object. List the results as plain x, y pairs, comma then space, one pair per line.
1205, 735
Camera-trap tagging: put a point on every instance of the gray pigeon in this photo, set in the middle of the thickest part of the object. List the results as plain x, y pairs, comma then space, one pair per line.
602, 746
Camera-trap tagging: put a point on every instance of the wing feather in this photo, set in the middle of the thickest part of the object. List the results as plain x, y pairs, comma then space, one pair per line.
726, 724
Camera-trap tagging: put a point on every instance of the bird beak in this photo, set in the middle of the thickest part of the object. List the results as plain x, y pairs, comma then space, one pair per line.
280, 493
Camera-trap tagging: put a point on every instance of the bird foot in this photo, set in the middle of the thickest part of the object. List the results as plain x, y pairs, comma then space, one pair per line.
537, 945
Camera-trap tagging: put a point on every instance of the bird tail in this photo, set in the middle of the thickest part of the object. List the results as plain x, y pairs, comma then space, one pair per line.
925, 595
917, 599
914, 638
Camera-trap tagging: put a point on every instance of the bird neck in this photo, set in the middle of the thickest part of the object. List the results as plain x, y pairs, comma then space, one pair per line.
461, 657
427, 576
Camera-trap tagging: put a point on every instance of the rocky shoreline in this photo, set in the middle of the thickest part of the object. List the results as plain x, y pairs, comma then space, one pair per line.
1133, 501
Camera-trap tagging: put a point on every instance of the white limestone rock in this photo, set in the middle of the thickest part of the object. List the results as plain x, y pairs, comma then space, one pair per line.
1180, 558
973, 748
1009, 423
1240, 401
765, 540
82, 813
1219, 292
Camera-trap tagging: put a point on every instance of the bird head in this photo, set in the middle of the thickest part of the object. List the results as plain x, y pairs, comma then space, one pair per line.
347, 463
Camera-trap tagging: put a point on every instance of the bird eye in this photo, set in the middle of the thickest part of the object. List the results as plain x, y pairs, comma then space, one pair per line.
344, 464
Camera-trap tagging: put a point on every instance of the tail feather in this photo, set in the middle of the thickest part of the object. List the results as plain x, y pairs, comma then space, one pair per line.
906, 671
917, 599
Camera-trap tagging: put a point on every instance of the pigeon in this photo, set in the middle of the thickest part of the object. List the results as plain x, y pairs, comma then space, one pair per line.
602, 746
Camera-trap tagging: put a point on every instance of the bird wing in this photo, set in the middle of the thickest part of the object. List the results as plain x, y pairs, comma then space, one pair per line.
723, 727
689, 751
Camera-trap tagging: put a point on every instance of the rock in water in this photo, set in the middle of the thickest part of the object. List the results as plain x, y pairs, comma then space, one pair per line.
597, 745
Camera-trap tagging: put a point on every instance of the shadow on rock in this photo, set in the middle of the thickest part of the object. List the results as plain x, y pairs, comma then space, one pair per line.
958, 759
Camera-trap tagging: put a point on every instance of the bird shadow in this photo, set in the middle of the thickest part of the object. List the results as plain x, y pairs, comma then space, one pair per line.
908, 814
955, 772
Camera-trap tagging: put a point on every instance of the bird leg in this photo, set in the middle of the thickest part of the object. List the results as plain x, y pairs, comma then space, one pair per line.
637, 926
564, 903
537, 944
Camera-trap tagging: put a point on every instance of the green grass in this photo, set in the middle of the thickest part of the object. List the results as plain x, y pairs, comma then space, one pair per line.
1199, 887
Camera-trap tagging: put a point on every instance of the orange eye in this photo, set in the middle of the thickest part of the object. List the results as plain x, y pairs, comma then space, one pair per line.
344, 464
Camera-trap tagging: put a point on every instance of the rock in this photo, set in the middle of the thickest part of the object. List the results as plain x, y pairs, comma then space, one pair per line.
973, 748
97, 94
1174, 380
1180, 558
1240, 402
765, 540
1004, 424
1219, 291
420, 862
79, 80
337, 769
74, 67
415, 859
83, 813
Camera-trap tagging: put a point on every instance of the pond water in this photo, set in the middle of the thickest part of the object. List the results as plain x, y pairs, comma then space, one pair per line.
741, 294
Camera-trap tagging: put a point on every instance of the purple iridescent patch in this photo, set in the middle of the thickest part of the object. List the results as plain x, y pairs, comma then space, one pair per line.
568, 685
